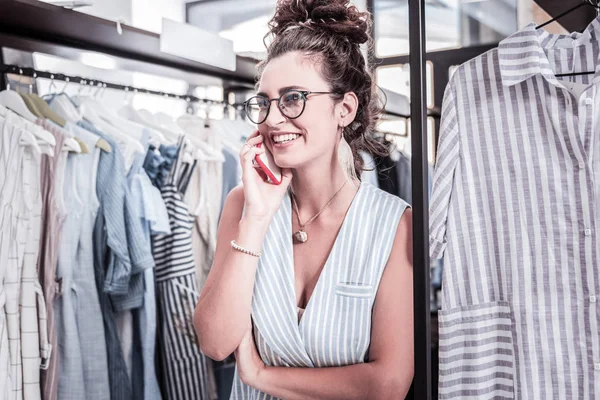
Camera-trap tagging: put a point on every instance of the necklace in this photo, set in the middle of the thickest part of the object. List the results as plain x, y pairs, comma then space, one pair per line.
301, 236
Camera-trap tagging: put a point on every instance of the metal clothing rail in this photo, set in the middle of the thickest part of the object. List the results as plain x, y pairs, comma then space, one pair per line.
38, 26
421, 280
101, 85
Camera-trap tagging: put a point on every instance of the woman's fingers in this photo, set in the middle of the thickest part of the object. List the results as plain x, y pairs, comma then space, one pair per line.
250, 144
262, 174
253, 141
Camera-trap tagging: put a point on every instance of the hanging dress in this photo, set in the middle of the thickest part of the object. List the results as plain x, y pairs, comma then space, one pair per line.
185, 368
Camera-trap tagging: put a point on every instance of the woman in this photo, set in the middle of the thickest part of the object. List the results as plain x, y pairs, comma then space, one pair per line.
315, 272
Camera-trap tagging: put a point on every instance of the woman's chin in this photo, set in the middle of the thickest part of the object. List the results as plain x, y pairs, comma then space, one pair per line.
287, 162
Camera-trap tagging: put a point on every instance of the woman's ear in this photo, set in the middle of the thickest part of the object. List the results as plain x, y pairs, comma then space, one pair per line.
347, 109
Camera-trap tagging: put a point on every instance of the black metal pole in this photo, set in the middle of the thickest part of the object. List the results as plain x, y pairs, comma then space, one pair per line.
3, 77
95, 83
421, 285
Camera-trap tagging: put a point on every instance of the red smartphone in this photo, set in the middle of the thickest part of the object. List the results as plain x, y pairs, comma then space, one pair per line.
267, 164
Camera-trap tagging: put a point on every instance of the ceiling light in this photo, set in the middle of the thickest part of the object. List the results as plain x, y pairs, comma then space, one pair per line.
98, 60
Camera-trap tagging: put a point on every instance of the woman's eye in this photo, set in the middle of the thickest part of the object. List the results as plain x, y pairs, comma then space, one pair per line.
292, 98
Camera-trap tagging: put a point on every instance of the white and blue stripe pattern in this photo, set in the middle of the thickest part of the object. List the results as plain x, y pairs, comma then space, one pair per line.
336, 325
515, 212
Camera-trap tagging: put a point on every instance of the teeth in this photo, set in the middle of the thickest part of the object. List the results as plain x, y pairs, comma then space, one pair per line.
284, 138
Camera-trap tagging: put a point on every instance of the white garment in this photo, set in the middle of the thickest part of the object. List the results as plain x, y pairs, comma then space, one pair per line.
8, 149
12, 284
203, 197
32, 302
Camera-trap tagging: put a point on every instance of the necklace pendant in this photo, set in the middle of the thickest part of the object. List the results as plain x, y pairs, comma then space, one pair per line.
301, 236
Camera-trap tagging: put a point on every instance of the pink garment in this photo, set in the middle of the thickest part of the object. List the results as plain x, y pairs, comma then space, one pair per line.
53, 216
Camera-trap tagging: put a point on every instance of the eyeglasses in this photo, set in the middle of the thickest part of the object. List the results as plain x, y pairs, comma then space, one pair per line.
291, 104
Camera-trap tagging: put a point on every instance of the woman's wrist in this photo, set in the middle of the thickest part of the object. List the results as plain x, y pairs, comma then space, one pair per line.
254, 224
251, 233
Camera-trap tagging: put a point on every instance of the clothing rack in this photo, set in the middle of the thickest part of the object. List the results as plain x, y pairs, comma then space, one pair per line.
422, 383
420, 196
101, 85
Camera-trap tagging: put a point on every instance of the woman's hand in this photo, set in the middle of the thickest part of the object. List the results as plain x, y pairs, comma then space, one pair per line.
249, 363
262, 199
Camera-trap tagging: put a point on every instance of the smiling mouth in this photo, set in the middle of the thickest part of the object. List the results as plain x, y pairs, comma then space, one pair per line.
288, 137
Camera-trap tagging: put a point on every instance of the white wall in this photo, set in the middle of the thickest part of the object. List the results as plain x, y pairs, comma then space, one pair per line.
143, 14
107, 9
148, 14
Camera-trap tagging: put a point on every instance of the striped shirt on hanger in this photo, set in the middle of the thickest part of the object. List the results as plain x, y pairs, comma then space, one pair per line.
515, 212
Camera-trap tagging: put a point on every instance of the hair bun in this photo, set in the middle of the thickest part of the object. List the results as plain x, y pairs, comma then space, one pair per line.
339, 17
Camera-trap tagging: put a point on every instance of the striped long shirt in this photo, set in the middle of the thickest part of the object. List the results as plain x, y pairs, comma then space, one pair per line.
515, 212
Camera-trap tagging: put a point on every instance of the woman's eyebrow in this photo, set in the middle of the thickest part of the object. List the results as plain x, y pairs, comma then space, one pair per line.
286, 88
283, 90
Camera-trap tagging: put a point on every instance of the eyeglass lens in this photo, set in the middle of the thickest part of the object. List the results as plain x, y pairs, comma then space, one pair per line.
291, 104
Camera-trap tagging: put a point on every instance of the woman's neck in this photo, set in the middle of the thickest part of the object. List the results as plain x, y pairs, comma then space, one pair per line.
314, 186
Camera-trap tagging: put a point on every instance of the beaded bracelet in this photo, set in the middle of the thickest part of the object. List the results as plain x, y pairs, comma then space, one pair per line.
245, 251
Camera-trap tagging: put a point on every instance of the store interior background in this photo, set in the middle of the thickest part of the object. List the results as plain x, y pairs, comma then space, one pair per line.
451, 24
462, 28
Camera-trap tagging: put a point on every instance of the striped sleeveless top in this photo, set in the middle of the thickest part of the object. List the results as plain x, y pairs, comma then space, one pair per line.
335, 327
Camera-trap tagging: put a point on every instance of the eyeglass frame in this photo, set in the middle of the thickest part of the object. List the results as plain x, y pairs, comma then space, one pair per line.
304, 93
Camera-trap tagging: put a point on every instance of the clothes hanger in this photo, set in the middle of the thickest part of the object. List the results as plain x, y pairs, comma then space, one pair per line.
71, 113
89, 114
41, 110
40, 106
64, 107
592, 3
43, 107
12, 101
31, 106
221, 128
44, 111
204, 151
28, 139
166, 121
72, 145
34, 131
134, 130
147, 115
130, 113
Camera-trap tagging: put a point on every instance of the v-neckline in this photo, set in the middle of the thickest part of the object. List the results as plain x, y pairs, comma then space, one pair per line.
290, 244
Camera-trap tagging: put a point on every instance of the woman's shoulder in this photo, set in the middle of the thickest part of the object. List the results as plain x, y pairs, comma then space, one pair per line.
380, 199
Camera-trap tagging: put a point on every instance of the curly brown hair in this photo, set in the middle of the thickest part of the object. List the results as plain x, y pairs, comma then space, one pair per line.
331, 32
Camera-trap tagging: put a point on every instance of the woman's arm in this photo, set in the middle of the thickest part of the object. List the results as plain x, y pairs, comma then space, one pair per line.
223, 311
390, 369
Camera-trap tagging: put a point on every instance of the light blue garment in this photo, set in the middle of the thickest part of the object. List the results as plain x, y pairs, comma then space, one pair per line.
82, 350
111, 187
138, 239
152, 212
157, 221
335, 329
230, 175
110, 249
